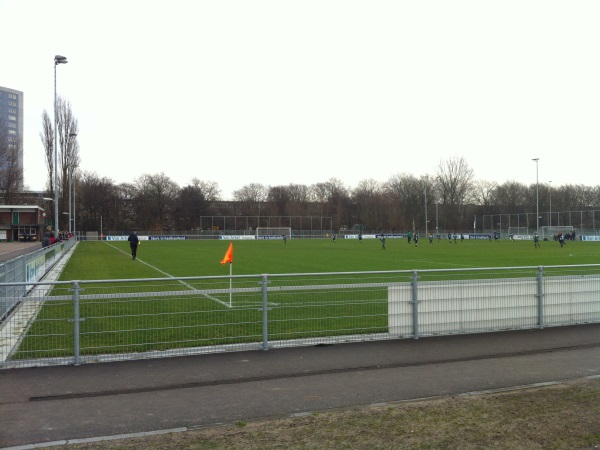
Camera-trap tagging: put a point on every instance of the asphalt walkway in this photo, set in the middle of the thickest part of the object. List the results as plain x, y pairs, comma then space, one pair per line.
12, 250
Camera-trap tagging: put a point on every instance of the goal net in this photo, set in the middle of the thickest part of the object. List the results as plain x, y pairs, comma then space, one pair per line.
273, 232
550, 232
518, 231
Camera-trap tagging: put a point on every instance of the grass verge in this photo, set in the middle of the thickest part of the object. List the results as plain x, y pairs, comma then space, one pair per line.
561, 416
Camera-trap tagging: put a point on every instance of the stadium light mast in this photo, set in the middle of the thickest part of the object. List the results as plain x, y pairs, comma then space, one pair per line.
537, 197
58, 59
550, 221
70, 173
426, 221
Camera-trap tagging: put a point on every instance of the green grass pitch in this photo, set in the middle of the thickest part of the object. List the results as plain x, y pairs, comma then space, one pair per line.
187, 258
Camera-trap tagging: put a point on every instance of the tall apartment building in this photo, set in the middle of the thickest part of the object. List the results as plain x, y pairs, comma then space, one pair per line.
11, 118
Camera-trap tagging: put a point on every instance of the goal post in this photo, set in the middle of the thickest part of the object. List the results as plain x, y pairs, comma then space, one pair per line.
548, 232
273, 232
518, 231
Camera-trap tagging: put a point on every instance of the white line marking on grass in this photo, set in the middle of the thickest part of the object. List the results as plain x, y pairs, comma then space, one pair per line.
434, 263
189, 286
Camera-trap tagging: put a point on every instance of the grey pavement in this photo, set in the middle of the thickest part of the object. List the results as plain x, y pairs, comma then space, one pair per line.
66, 404
12, 250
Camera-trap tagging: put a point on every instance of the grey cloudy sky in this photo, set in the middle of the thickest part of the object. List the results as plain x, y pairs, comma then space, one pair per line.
278, 92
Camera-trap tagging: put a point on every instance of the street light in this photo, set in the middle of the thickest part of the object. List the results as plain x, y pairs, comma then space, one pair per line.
537, 197
426, 221
70, 170
550, 221
58, 59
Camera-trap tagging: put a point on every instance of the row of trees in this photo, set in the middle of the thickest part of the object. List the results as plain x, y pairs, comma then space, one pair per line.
450, 197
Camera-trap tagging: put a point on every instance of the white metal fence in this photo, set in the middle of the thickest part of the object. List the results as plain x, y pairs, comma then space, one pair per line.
92, 321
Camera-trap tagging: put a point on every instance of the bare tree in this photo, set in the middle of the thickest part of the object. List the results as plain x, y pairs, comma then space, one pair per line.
67, 152
194, 201
251, 198
68, 155
279, 199
454, 178
405, 195
125, 217
483, 193
95, 202
370, 206
154, 200
511, 197
47, 138
334, 198
209, 189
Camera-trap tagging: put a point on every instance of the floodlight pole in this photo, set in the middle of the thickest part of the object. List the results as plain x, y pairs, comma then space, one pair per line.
537, 197
58, 59
426, 227
550, 221
70, 173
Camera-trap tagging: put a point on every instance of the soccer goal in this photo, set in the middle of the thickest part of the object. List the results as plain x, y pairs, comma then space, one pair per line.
518, 231
273, 232
549, 232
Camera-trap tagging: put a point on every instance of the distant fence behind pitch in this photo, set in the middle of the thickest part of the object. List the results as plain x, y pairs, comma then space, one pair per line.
79, 322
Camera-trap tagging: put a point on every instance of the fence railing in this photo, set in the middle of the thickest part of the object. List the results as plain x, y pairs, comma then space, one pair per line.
79, 322
17, 274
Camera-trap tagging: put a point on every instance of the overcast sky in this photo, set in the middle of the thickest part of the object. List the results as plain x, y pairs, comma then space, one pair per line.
278, 92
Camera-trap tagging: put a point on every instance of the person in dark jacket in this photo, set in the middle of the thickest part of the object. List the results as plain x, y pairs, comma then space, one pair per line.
133, 244
46, 238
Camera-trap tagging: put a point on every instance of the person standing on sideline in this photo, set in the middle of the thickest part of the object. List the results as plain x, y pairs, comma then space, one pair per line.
46, 238
536, 240
133, 243
382, 239
431, 238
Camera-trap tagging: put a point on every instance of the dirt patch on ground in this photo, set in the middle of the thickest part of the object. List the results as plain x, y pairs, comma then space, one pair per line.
562, 416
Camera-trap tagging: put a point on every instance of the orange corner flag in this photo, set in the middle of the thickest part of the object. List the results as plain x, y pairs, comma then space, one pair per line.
229, 255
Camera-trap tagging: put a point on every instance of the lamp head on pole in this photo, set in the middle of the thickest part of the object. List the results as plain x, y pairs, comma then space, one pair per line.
58, 59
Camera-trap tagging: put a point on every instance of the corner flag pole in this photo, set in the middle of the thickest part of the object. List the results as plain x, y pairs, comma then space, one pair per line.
229, 259
230, 281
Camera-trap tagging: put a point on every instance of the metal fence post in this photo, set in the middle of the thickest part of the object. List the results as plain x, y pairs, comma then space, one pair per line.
415, 304
540, 296
265, 313
76, 319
